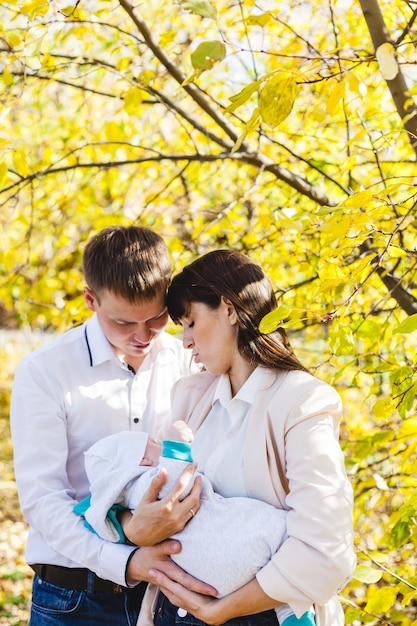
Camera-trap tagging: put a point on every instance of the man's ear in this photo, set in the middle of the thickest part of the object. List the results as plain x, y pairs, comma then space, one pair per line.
231, 311
90, 299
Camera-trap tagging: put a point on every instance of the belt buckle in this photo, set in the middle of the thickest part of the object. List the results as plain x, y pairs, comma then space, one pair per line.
117, 588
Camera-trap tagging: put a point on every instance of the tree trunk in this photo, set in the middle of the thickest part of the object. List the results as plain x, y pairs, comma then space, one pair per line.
398, 86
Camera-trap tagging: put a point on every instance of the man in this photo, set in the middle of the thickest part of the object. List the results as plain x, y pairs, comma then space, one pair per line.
111, 374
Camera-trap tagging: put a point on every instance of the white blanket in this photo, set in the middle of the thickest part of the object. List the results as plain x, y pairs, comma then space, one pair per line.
227, 541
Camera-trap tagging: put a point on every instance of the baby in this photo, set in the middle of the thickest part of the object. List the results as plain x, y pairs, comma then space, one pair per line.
227, 542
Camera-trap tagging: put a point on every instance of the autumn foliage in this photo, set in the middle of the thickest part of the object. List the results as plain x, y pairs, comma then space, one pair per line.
287, 130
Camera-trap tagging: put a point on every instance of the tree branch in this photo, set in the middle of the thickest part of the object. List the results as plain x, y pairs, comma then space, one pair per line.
258, 160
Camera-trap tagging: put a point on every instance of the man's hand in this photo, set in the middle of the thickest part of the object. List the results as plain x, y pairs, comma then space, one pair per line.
247, 600
156, 520
201, 605
158, 558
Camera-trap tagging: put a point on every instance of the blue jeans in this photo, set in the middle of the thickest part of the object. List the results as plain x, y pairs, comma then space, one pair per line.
166, 615
53, 605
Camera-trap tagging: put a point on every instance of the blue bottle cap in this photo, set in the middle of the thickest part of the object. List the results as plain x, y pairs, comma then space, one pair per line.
180, 450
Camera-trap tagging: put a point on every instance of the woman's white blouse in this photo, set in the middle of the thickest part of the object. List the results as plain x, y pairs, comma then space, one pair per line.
223, 432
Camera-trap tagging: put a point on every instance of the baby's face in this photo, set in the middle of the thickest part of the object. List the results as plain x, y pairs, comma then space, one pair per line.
152, 453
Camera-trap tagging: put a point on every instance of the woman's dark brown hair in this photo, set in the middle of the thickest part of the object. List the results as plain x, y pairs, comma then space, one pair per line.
237, 278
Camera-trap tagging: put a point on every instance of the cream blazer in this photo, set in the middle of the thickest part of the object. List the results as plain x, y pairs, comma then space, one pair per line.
292, 460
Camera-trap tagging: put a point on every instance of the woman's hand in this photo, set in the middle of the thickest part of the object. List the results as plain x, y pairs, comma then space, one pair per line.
158, 558
247, 600
156, 520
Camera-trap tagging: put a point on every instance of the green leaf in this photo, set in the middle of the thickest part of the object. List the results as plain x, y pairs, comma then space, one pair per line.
207, 54
193, 77
401, 377
409, 325
200, 7
366, 574
243, 96
400, 533
367, 328
383, 408
326, 210
276, 98
407, 401
352, 614
252, 123
408, 598
341, 339
272, 320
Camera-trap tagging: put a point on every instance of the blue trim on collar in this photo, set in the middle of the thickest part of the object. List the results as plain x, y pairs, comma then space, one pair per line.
88, 346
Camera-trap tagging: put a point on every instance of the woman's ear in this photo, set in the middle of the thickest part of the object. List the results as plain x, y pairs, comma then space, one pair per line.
230, 309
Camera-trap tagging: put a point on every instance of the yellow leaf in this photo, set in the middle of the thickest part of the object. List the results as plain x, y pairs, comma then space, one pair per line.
258, 20
331, 271
362, 266
337, 227
37, 7
355, 85
14, 40
385, 55
47, 60
19, 162
350, 163
336, 96
123, 63
3, 172
145, 77
7, 77
113, 132
328, 284
276, 98
382, 600
133, 98
358, 200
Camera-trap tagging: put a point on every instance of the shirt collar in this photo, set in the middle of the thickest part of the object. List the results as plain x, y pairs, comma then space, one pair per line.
99, 348
223, 393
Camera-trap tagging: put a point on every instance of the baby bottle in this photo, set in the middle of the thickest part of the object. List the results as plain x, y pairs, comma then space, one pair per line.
176, 455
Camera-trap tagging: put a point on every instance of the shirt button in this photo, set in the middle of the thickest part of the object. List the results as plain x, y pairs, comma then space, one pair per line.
136, 419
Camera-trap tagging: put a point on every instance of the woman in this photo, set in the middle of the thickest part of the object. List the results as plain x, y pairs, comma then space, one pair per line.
264, 428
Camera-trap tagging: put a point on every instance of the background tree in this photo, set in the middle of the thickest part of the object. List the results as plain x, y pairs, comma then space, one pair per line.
287, 130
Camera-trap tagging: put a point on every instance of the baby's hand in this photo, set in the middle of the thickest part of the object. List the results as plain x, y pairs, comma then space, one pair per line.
152, 453
179, 431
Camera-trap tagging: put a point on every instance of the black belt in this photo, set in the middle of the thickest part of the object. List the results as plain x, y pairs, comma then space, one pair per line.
74, 578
